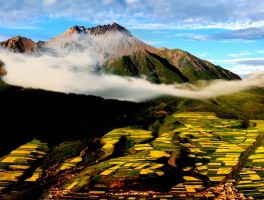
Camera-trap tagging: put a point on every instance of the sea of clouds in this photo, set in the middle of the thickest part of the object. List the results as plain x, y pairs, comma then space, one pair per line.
75, 73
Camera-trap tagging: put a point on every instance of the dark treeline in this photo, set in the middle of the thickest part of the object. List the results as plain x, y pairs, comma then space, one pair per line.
56, 117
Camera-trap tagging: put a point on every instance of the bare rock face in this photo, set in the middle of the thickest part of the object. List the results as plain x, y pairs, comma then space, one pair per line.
2, 69
40, 43
19, 44
97, 30
100, 30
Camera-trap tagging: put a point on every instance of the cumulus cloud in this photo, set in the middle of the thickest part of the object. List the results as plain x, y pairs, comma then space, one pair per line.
75, 74
151, 13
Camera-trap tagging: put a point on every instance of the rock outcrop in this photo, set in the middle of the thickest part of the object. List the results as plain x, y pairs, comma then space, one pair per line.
2, 69
19, 44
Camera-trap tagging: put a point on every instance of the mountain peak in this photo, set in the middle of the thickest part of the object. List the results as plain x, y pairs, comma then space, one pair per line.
100, 30
19, 44
75, 29
97, 30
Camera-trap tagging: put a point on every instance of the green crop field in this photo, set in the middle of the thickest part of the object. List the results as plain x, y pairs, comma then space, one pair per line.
213, 148
19, 161
188, 153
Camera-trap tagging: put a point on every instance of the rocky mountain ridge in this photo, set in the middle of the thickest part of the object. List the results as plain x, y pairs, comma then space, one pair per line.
97, 30
193, 67
102, 42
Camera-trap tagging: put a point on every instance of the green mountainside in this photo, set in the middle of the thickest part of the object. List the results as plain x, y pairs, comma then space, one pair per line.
194, 68
155, 68
166, 66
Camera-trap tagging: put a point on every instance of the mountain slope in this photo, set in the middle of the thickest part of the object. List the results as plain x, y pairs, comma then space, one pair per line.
194, 68
166, 66
20, 44
147, 64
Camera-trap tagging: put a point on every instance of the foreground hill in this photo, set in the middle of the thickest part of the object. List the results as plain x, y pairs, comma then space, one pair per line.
56, 117
57, 144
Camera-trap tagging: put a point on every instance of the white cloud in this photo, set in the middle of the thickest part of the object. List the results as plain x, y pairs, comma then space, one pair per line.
241, 54
246, 35
154, 42
246, 70
189, 36
247, 54
72, 74
243, 66
260, 52
107, 2
21, 27
150, 14
203, 55
131, 1
238, 25
4, 37
49, 2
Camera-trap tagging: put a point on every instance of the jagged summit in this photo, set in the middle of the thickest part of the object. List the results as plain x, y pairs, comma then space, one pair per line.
98, 30
102, 41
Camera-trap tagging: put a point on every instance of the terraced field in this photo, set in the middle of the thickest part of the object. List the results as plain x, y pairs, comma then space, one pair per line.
201, 150
192, 155
106, 175
17, 165
251, 178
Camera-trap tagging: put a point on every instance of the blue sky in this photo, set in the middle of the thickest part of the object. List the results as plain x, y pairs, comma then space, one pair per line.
229, 33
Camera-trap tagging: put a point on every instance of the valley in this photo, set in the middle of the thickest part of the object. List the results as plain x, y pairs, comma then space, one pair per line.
179, 154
